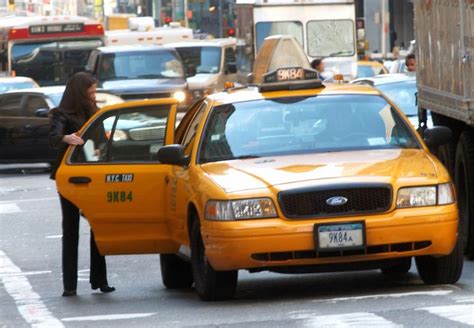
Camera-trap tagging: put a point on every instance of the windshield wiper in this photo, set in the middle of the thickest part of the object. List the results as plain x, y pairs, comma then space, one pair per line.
150, 76
246, 157
338, 53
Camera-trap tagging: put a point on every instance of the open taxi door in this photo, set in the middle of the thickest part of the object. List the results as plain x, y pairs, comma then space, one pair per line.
116, 179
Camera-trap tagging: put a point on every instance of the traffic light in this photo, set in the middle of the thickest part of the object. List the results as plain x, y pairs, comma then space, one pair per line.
11, 2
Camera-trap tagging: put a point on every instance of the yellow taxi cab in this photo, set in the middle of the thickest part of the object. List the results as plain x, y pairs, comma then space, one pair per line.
285, 175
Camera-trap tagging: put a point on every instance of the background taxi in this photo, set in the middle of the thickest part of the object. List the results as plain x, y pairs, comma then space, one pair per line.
287, 176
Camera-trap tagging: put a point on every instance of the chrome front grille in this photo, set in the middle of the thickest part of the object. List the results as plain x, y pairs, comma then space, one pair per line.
313, 202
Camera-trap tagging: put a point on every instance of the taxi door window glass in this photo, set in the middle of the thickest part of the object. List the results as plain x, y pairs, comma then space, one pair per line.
96, 140
33, 103
10, 105
300, 125
264, 29
190, 135
131, 135
330, 38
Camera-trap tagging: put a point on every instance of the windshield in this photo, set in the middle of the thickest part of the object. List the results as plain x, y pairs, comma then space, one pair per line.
403, 94
51, 63
140, 65
330, 38
264, 29
7, 86
207, 60
303, 125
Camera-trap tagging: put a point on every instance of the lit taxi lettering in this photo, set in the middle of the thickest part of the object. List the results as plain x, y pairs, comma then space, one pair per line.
119, 196
290, 74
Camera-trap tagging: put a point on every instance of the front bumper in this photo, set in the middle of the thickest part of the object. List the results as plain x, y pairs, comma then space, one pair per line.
269, 243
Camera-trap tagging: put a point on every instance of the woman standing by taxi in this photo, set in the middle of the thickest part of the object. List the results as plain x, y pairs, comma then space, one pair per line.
76, 107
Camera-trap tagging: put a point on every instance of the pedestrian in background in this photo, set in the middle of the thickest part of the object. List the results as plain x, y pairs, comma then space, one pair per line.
318, 65
76, 107
410, 63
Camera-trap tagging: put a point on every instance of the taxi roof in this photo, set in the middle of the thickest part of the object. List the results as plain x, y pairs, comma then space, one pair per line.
252, 93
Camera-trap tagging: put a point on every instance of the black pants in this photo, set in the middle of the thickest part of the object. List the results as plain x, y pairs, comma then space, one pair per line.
98, 271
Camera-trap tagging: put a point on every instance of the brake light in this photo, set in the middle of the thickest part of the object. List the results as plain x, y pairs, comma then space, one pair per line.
18, 33
94, 29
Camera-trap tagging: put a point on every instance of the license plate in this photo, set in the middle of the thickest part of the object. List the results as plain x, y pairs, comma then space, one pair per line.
339, 236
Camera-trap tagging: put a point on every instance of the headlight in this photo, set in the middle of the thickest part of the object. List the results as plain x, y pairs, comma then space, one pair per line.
180, 96
242, 209
120, 135
426, 196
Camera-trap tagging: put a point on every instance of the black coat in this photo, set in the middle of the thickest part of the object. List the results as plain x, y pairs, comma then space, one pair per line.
61, 124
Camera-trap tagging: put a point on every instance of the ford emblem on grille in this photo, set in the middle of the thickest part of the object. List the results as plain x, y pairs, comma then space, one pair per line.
336, 201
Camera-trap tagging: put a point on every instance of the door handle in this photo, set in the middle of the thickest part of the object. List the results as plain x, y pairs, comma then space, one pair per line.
78, 180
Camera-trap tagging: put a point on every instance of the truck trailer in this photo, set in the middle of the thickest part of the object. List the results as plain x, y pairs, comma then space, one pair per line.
444, 32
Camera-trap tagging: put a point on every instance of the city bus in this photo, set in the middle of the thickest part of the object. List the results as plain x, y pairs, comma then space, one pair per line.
47, 49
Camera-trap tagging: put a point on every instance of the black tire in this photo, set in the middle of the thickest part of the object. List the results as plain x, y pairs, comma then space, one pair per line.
464, 180
398, 269
175, 272
211, 285
447, 155
441, 270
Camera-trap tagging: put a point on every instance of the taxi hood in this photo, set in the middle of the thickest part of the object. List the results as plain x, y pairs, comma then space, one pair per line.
283, 172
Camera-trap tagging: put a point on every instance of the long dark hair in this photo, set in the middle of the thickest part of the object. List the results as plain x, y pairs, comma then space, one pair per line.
75, 100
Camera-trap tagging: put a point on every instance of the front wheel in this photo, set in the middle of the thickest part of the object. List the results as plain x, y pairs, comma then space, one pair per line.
211, 285
441, 270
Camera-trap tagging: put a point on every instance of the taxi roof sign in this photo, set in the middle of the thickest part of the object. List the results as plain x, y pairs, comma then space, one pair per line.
278, 51
282, 64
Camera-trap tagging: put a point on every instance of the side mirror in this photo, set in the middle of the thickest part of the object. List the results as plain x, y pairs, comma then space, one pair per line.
172, 154
437, 136
190, 70
42, 112
231, 68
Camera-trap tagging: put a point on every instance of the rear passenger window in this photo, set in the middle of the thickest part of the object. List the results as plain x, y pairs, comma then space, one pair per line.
133, 135
10, 105
33, 103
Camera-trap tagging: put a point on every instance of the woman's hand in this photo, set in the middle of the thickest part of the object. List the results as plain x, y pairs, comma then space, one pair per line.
73, 139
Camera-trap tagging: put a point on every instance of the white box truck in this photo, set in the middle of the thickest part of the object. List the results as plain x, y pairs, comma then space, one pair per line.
325, 28
444, 32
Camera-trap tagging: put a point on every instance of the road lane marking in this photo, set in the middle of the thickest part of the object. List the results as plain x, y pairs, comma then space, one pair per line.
110, 317
54, 237
462, 313
31, 273
349, 320
394, 295
28, 303
27, 200
9, 208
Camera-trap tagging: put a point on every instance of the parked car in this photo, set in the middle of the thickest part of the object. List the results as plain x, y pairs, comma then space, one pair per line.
24, 123
366, 68
213, 61
8, 83
401, 89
